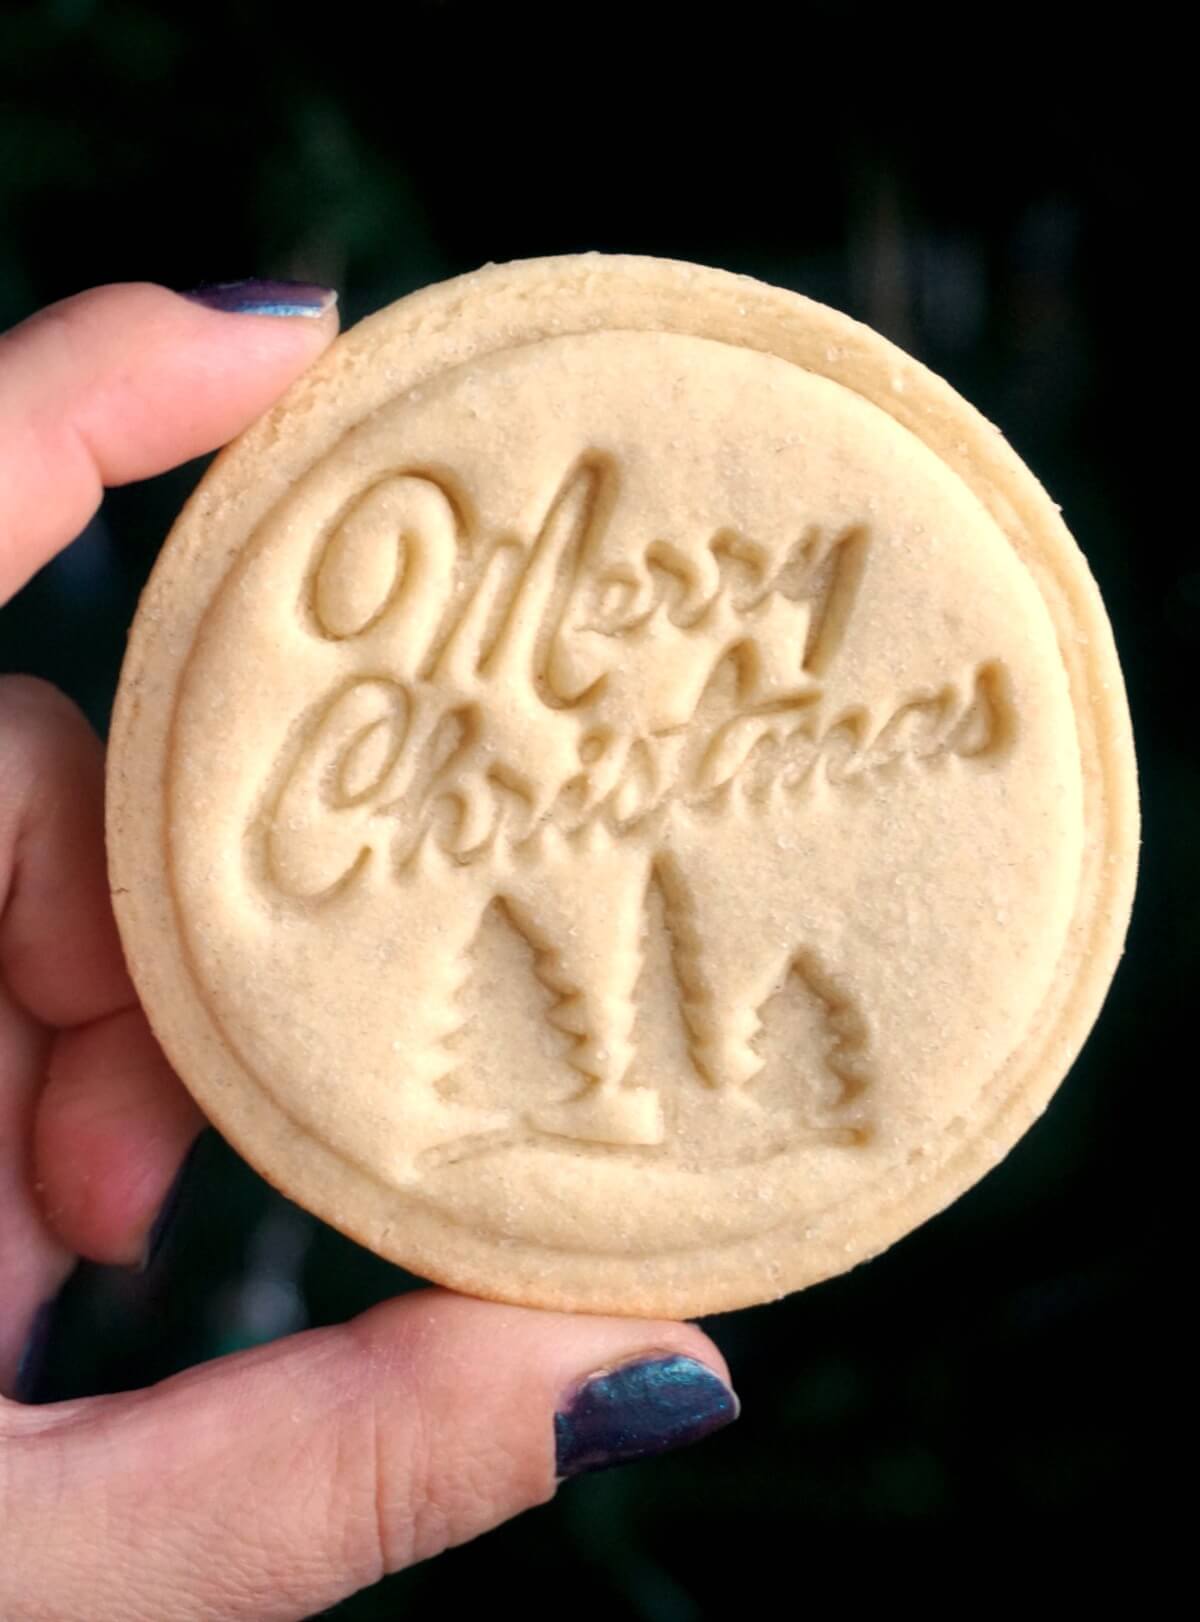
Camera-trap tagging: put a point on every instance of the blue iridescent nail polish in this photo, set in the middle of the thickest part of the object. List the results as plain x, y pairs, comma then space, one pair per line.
638, 1410
33, 1355
164, 1222
260, 296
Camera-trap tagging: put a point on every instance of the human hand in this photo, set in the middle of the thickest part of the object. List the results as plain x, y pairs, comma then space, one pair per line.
270, 1484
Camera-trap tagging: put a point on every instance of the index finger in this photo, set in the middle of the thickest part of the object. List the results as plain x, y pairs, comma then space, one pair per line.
125, 381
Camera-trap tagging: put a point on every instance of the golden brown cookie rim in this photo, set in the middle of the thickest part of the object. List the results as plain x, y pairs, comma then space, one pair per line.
425, 334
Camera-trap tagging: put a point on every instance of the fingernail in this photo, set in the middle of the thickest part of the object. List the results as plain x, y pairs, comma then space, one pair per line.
261, 296
33, 1354
637, 1410
167, 1212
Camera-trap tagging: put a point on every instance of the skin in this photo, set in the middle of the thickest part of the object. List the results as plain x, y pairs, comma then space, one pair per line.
270, 1484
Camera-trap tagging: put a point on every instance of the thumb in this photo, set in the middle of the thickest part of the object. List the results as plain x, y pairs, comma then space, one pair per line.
269, 1485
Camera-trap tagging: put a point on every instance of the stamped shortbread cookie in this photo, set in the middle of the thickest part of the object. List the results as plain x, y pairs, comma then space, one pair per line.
621, 794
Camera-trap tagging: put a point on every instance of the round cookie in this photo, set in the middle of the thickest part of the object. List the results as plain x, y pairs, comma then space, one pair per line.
621, 795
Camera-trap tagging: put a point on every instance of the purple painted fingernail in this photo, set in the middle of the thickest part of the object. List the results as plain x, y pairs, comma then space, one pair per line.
33, 1354
637, 1410
262, 296
165, 1220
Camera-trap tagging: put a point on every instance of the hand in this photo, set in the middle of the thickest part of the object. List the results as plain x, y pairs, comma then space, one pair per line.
270, 1484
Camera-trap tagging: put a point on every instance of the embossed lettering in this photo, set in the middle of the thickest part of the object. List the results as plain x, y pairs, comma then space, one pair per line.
545, 714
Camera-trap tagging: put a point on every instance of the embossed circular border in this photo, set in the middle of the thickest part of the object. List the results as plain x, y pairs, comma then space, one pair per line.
400, 348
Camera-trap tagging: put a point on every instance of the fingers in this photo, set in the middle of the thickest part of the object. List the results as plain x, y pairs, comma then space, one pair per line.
109, 386
60, 955
92, 1150
117, 384
113, 1127
270, 1485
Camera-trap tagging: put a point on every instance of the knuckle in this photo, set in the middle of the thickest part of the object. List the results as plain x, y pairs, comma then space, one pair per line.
415, 1476
45, 743
27, 701
39, 728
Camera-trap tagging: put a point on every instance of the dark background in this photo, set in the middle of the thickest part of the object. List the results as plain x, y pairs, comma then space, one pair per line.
983, 200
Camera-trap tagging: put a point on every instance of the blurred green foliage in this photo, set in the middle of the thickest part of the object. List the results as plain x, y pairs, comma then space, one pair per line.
992, 1369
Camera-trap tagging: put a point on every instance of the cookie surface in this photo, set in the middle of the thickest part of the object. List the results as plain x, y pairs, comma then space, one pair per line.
621, 794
